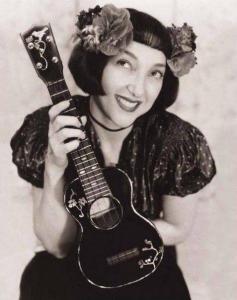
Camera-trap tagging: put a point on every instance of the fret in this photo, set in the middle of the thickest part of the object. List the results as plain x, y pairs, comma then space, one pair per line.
85, 164
95, 186
81, 163
101, 190
88, 169
55, 82
93, 167
56, 94
57, 85
85, 151
58, 91
94, 183
86, 142
69, 110
98, 194
90, 177
86, 173
60, 97
84, 160
83, 156
85, 147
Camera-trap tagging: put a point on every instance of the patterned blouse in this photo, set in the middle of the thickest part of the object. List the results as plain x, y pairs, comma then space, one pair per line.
162, 155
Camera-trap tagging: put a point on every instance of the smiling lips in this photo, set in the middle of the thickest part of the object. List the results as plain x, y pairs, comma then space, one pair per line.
127, 104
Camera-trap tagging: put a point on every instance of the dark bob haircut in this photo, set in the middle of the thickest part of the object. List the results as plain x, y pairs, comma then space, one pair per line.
87, 67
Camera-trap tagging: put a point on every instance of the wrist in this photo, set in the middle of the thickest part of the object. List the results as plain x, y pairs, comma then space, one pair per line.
53, 171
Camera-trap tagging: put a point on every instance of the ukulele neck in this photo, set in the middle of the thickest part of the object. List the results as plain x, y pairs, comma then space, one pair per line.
83, 158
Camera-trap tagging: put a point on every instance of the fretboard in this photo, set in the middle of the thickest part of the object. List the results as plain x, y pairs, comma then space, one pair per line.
83, 158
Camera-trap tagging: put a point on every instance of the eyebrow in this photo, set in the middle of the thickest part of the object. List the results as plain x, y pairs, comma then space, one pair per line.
134, 57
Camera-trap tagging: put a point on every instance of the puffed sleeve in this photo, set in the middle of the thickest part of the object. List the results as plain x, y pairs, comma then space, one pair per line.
186, 164
29, 146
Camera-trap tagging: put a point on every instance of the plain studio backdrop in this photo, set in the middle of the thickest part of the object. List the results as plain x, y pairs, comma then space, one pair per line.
207, 99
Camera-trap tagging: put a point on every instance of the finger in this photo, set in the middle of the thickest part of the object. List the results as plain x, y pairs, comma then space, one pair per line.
70, 146
67, 133
57, 109
64, 121
83, 120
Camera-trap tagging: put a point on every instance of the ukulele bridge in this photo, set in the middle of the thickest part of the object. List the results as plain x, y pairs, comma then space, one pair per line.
122, 256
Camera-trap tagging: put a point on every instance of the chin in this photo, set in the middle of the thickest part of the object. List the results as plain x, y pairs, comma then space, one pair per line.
124, 122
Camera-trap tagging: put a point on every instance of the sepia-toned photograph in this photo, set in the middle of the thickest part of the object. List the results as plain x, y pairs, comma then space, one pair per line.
118, 150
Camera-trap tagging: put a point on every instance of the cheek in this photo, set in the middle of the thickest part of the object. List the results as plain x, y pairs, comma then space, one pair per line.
114, 79
153, 90
105, 82
111, 79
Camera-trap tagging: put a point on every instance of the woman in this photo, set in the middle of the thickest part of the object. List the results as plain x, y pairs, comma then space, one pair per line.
129, 64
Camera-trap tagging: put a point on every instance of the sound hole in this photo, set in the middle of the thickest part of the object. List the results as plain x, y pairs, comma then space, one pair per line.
105, 213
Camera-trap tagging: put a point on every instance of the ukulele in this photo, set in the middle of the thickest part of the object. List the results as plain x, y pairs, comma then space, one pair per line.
118, 246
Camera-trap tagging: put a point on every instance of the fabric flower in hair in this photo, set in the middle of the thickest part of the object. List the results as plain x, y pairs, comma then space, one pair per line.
90, 36
183, 43
108, 29
182, 63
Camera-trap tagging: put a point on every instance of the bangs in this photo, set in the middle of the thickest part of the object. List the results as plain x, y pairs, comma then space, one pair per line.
149, 39
150, 32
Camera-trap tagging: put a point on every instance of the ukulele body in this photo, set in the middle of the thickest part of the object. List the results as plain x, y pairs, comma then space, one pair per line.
115, 249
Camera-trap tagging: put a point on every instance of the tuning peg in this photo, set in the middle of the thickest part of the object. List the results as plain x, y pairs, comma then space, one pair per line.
30, 46
39, 65
48, 39
55, 59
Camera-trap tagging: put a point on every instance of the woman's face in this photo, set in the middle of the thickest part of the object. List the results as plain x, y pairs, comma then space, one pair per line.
131, 81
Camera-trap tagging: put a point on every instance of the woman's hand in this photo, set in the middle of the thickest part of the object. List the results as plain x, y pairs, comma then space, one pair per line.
62, 128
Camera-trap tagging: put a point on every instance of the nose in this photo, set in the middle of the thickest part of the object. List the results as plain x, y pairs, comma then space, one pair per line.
136, 87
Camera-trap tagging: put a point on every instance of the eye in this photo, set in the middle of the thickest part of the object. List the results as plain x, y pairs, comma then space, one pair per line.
124, 63
157, 74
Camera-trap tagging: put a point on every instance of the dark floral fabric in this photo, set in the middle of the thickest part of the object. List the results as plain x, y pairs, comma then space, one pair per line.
29, 146
162, 155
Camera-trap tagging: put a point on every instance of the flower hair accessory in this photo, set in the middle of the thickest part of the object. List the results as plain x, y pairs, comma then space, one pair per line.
183, 43
107, 29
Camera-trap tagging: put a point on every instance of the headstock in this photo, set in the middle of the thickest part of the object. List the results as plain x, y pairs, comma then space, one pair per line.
41, 47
